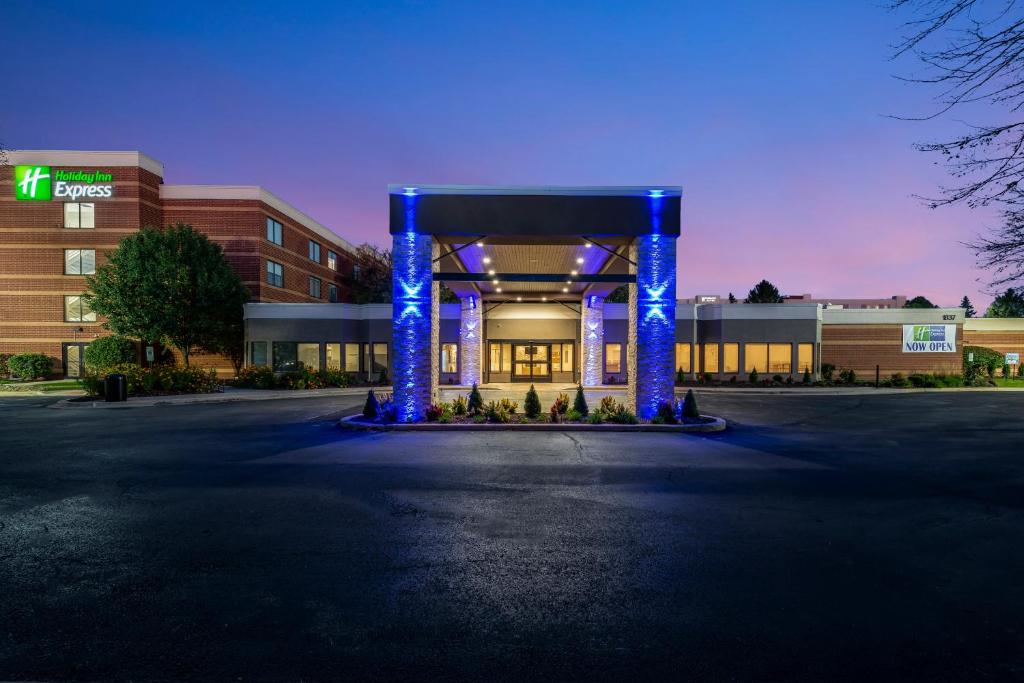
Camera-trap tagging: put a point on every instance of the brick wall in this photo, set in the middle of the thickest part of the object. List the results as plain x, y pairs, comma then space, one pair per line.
861, 347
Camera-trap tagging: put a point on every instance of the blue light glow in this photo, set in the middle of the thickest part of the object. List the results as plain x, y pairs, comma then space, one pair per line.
656, 193
411, 292
409, 191
470, 342
592, 346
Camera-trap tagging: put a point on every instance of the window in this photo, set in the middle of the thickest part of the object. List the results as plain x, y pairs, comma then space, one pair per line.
500, 357
79, 261
309, 356
333, 356
314, 251
285, 356
314, 287
380, 357
805, 358
351, 357
450, 357
755, 357
275, 274
77, 311
780, 358
683, 357
78, 215
567, 352
332, 260
731, 358
355, 271
613, 358
274, 232
711, 358
332, 293
258, 353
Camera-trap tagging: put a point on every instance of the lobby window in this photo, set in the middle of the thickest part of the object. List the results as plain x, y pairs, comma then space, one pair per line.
332, 353
711, 358
274, 232
805, 357
380, 357
351, 357
332, 293
79, 261
275, 274
77, 215
291, 356
500, 357
314, 287
76, 310
730, 358
314, 251
613, 358
682, 357
332, 260
309, 355
449, 357
755, 357
258, 353
780, 358
561, 357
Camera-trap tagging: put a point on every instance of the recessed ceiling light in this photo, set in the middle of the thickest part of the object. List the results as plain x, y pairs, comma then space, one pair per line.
487, 259
565, 290
568, 282
579, 260
519, 298
543, 298
494, 282
588, 245
575, 273
490, 272
498, 290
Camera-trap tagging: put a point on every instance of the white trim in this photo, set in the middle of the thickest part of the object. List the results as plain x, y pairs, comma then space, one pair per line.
892, 316
581, 191
257, 193
994, 324
64, 157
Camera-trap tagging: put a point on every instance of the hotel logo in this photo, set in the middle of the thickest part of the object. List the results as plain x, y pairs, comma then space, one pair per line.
32, 183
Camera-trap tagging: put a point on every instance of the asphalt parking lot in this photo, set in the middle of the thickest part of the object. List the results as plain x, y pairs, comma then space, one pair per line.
820, 538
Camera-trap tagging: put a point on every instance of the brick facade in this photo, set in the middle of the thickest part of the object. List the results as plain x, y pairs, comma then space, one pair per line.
861, 347
33, 239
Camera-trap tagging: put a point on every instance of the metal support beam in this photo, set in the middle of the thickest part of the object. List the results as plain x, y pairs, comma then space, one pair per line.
610, 251
455, 251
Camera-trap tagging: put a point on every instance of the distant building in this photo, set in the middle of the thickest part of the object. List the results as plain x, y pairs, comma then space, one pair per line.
897, 301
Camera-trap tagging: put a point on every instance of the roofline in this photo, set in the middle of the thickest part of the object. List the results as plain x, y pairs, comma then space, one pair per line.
257, 193
68, 157
559, 190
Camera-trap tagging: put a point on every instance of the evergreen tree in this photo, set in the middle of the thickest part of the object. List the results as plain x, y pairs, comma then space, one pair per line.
476, 401
531, 406
690, 405
580, 404
732, 298
965, 304
371, 409
1009, 304
764, 292
919, 302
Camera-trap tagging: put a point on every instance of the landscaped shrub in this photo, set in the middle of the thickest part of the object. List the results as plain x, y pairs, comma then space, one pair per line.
256, 377
476, 401
680, 376
155, 380
91, 384
304, 378
383, 379
561, 404
666, 412
826, 372
555, 416
898, 380
984, 359
335, 378
30, 365
508, 405
690, 406
106, 352
707, 377
847, 376
623, 415
596, 417
531, 406
4, 370
574, 415
371, 409
1006, 369
608, 405
789, 380
777, 379
388, 411
753, 377
580, 403
807, 376
434, 413
460, 406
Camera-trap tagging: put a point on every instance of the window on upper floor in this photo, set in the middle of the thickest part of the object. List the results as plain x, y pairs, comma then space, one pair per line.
332, 293
314, 287
332, 260
79, 215
275, 232
314, 251
79, 261
76, 310
275, 274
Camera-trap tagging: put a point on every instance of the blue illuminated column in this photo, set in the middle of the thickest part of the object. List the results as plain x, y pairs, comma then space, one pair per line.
592, 341
413, 319
652, 320
471, 335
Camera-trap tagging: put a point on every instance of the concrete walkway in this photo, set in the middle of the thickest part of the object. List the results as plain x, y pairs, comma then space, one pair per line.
228, 395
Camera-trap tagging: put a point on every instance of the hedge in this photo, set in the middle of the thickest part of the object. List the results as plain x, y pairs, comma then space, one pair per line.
30, 365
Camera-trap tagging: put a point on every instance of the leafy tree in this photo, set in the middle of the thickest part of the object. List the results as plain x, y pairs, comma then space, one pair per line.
370, 282
732, 298
171, 285
973, 54
619, 295
919, 302
965, 304
1009, 304
764, 292
109, 351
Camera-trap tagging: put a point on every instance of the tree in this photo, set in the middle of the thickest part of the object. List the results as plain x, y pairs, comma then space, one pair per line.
1009, 304
732, 299
973, 54
108, 351
919, 302
619, 295
370, 282
764, 292
580, 403
171, 285
968, 307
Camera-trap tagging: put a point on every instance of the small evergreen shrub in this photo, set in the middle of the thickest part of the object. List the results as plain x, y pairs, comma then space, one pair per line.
30, 365
707, 377
531, 406
105, 352
753, 376
383, 379
574, 416
371, 409
690, 410
666, 413
680, 376
388, 411
807, 376
580, 403
623, 415
826, 372
476, 401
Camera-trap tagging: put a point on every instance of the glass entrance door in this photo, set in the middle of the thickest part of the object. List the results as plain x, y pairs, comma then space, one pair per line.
531, 362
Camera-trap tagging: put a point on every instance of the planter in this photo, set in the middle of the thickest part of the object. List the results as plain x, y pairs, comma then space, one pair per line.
358, 422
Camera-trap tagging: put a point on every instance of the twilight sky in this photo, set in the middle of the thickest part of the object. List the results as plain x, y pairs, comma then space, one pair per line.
771, 115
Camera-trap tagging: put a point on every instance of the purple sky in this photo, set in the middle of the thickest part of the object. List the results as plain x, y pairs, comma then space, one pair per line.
770, 115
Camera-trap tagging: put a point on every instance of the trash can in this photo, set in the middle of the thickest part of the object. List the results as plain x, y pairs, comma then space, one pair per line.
115, 388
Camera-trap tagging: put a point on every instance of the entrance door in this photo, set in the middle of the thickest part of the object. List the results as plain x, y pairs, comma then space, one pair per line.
74, 359
531, 362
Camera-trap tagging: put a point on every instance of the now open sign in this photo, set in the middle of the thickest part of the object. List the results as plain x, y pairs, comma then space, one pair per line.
929, 339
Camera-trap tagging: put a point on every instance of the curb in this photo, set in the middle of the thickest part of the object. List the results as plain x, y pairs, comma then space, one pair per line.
716, 425
223, 397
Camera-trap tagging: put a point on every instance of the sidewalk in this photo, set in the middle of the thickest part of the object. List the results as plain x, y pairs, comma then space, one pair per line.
227, 396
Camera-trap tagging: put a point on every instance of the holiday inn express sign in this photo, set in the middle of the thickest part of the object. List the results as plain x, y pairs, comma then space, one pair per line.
42, 184
929, 338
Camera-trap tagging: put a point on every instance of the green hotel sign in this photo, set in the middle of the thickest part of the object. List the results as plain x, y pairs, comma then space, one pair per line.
43, 183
